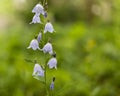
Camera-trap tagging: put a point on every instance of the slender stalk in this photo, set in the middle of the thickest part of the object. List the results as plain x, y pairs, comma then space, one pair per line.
45, 63
51, 93
45, 83
46, 76
44, 2
45, 68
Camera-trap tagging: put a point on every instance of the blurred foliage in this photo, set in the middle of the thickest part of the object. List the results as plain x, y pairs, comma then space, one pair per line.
87, 43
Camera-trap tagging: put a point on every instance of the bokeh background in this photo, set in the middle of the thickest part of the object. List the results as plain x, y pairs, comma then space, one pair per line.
87, 43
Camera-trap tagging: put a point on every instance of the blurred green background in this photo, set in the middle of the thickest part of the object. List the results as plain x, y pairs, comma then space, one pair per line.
87, 43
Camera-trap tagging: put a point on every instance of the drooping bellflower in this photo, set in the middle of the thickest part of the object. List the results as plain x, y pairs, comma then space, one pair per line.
52, 63
48, 48
45, 14
48, 28
36, 19
34, 45
38, 71
38, 9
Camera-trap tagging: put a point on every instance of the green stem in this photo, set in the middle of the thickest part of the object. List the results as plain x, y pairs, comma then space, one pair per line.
44, 2
46, 76
51, 93
45, 70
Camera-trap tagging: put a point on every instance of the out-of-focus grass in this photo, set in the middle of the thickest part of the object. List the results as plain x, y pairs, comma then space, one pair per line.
88, 59
6, 6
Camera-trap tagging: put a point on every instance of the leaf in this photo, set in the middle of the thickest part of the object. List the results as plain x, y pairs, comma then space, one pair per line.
28, 60
39, 78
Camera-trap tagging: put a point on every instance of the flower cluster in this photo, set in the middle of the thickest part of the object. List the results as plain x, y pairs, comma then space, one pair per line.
40, 71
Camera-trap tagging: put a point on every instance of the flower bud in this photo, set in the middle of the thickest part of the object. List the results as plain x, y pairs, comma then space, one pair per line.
45, 14
39, 37
53, 79
52, 85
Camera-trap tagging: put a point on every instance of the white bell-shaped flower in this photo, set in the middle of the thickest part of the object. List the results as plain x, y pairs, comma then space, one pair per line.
48, 48
36, 19
52, 63
34, 45
38, 71
39, 37
38, 9
48, 28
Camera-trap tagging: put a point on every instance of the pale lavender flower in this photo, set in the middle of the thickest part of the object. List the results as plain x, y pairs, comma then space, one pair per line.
48, 28
48, 48
52, 85
38, 71
34, 45
52, 63
36, 19
39, 37
38, 9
